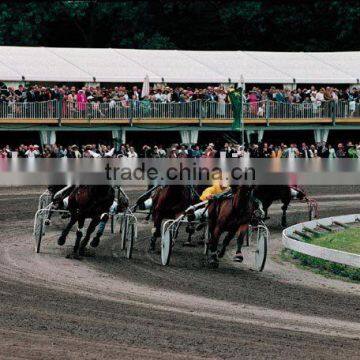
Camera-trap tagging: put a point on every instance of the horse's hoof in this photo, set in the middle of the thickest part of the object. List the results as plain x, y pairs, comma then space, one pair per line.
213, 261
152, 245
95, 242
77, 256
61, 240
221, 253
213, 265
238, 257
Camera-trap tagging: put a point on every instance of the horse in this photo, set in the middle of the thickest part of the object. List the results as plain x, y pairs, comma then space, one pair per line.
169, 202
267, 194
93, 202
231, 213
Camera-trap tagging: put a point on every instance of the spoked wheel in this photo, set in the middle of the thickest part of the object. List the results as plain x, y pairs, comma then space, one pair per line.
131, 233
38, 231
206, 239
112, 224
261, 251
123, 227
44, 200
167, 243
256, 251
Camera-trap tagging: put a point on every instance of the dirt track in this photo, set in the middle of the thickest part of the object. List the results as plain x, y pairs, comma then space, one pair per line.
108, 307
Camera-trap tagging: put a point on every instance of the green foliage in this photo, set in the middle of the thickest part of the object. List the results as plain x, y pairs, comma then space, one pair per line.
345, 240
324, 266
250, 25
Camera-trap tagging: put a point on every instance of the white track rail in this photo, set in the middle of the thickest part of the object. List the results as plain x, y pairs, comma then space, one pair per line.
337, 256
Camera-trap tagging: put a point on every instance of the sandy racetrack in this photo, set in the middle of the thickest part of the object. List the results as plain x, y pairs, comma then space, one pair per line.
110, 307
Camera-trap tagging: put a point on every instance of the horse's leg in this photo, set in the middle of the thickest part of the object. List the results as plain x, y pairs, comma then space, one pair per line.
240, 237
79, 235
148, 216
266, 205
156, 232
65, 232
284, 208
103, 220
190, 229
91, 228
212, 260
225, 243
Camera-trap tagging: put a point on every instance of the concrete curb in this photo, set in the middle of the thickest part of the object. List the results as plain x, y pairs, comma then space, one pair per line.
337, 256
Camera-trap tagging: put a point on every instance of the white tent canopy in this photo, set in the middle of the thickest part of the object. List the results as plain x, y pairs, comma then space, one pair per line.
176, 66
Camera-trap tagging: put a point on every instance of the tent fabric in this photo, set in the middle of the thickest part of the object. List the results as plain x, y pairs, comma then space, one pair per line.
303, 67
176, 66
38, 64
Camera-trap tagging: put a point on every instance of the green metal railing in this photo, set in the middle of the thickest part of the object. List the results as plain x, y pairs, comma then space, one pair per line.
129, 110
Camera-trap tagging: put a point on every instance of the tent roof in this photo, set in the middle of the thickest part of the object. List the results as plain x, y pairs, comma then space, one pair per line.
303, 67
177, 66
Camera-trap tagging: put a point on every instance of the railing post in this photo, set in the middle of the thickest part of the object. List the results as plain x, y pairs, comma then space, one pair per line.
59, 104
333, 112
267, 112
131, 112
88, 112
200, 105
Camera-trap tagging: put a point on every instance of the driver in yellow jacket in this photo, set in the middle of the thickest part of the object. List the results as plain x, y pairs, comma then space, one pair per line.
200, 213
215, 189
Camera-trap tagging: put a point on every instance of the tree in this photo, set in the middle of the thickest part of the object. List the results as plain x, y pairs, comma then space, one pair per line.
181, 24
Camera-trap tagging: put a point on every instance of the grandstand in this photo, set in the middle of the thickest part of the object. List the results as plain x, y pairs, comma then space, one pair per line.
98, 66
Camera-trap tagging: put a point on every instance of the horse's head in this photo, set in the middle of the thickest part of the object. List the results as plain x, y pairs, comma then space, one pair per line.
256, 206
244, 198
298, 193
122, 200
123, 203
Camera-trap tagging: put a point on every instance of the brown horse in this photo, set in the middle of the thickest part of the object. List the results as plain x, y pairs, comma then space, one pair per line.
89, 202
169, 202
267, 194
231, 214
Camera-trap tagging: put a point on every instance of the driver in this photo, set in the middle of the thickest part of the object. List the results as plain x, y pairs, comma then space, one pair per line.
219, 186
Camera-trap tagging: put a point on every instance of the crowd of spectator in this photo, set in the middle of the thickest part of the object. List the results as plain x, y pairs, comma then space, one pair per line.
126, 102
162, 93
261, 150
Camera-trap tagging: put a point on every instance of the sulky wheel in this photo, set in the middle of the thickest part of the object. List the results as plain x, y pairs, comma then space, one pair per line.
38, 231
167, 243
261, 247
123, 226
112, 224
206, 238
131, 233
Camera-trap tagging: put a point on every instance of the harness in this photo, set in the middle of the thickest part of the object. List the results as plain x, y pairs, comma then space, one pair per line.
312, 203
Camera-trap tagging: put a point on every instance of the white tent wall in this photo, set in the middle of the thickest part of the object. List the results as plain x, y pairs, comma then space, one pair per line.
105, 65
303, 68
348, 62
39, 64
173, 66
176, 66
233, 64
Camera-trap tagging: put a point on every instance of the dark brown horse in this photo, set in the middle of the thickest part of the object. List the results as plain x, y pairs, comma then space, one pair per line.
267, 194
89, 202
231, 214
169, 202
